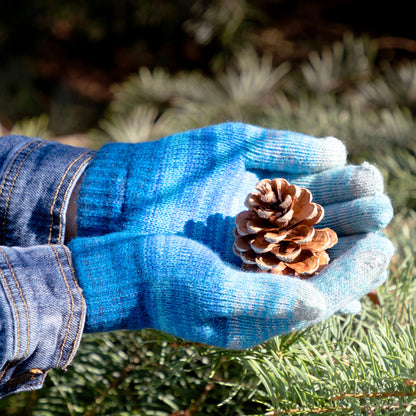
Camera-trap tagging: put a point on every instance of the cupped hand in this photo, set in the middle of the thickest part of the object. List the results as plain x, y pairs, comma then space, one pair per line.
177, 285
194, 184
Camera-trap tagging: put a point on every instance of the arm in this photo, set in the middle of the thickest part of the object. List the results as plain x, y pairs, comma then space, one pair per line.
42, 314
42, 311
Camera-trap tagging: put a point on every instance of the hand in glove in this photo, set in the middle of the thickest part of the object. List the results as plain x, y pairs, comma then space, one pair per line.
195, 183
188, 188
182, 287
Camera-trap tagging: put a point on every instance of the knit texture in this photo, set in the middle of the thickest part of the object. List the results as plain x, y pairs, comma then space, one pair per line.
194, 183
156, 221
177, 285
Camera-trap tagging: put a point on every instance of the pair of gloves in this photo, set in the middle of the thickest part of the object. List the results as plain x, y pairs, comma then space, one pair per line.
155, 235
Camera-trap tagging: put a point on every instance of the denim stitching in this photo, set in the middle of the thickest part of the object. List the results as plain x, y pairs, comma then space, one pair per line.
11, 189
57, 192
17, 324
80, 323
8, 172
72, 304
42, 381
12, 163
23, 300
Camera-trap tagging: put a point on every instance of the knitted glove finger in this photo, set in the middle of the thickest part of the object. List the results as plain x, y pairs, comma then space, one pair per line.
348, 242
344, 244
259, 147
355, 273
338, 184
361, 215
281, 150
355, 306
352, 308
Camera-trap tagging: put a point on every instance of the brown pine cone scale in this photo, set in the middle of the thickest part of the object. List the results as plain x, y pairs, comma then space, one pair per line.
276, 234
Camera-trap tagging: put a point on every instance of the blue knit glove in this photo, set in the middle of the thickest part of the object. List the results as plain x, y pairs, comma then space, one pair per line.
163, 213
194, 184
182, 287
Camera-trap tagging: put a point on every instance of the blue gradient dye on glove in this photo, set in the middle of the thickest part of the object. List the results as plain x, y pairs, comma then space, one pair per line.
178, 198
194, 183
179, 286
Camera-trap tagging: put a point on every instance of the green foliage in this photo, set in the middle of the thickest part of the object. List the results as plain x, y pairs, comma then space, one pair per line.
348, 365
33, 127
47, 47
189, 100
338, 91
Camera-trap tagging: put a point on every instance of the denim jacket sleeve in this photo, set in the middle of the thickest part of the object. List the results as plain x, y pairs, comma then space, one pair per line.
37, 178
42, 310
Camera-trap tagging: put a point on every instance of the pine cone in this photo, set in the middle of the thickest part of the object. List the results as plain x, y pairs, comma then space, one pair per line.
276, 234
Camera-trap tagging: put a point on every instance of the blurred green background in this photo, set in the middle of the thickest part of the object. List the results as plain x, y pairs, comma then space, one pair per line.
88, 72
61, 58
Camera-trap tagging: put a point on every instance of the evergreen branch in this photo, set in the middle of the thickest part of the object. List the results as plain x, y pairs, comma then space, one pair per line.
198, 403
369, 410
33, 127
385, 394
113, 385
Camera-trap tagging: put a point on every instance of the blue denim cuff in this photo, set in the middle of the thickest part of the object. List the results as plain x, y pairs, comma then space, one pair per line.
37, 178
42, 313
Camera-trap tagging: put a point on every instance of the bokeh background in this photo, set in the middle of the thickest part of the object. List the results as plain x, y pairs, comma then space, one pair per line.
62, 58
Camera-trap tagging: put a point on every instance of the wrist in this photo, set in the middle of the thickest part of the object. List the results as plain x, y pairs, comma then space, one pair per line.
71, 213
